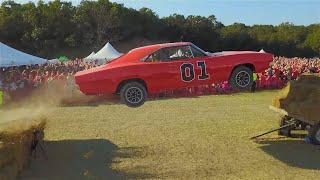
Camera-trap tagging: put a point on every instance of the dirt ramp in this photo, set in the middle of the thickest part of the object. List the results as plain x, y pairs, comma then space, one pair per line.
301, 97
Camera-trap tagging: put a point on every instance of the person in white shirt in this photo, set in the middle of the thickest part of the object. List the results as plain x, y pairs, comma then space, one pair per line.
21, 84
13, 86
70, 85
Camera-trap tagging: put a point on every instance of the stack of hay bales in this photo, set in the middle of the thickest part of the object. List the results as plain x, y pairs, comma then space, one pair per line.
15, 145
301, 98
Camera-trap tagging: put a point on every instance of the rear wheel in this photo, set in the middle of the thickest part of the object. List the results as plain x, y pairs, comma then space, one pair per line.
241, 78
133, 94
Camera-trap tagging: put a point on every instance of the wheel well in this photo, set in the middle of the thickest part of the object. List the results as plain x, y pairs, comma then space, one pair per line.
248, 65
131, 80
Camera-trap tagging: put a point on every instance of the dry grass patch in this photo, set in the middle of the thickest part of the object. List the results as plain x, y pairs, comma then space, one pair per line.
187, 138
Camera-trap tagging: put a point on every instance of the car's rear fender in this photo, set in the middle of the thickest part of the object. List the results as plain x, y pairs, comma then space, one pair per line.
256, 62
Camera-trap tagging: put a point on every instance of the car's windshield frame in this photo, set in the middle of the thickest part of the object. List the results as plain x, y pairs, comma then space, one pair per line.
199, 49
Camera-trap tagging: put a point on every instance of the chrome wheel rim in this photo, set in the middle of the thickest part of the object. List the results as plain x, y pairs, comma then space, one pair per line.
243, 79
134, 95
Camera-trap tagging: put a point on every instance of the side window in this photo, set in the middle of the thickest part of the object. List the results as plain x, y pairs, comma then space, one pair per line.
151, 58
159, 56
170, 54
180, 52
196, 52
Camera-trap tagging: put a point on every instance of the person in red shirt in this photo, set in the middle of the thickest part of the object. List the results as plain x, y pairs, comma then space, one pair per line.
295, 74
277, 72
263, 81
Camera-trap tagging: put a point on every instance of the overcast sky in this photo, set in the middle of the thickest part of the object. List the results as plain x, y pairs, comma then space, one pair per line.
300, 12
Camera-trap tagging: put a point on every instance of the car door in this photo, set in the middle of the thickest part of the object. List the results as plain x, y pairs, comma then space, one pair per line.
194, 70
203, 67
166, 66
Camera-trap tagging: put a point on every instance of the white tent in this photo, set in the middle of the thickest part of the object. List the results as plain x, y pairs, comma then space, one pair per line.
53, 61
90, 56
106, 53
13, 57
262, 51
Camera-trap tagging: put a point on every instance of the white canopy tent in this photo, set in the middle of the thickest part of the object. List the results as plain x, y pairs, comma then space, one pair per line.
90, 56
108, 52
12, 57
262, 51
53, 61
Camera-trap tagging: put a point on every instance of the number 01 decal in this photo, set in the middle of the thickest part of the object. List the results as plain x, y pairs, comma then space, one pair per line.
188, 73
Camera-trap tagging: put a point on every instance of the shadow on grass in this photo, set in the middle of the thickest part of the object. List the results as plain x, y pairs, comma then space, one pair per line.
295, 153
82, 159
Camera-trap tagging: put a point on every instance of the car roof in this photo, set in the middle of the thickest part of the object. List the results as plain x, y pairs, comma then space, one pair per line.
164, 45
160, 46
141, 52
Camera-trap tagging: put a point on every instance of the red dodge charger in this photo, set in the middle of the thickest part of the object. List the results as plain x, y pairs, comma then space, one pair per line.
152, 69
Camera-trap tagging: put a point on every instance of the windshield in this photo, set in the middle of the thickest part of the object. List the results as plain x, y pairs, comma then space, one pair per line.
199, 49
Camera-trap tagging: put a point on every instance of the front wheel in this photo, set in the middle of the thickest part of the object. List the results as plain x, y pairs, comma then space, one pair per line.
133, 94
241, 78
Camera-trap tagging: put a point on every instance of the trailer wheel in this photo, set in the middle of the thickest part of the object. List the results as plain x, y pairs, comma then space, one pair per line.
315, 134
286, 131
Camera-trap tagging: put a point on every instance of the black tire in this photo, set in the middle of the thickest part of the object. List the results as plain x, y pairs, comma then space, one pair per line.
286, 131
133, 94
315, 134
241, 78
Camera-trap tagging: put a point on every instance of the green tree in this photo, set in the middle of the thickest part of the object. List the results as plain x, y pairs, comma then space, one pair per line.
58, 27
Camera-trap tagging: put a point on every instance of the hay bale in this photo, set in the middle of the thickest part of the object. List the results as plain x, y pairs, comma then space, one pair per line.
5, 155
9, 172
15, 143
301, 97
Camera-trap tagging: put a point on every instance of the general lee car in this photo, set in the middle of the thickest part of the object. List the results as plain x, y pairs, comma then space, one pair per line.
152, 69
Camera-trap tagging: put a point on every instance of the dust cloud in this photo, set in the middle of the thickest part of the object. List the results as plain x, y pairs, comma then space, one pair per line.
38, 105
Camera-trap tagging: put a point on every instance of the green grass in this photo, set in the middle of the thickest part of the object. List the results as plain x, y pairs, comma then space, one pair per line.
186, 138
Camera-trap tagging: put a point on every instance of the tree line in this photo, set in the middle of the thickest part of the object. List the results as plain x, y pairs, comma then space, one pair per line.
53, 28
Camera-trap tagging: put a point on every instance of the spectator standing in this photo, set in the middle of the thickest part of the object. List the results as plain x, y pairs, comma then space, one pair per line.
254, 83
1, 98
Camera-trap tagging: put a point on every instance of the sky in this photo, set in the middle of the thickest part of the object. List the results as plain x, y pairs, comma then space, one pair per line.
250, 12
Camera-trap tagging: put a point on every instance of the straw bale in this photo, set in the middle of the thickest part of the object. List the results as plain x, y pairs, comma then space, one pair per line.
15, 142
301, 97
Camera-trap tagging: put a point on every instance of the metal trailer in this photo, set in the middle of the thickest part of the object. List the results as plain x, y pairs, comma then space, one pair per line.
291, 122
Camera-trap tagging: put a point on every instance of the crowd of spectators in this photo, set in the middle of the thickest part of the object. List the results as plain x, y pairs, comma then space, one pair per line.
14, 81
20, 80
285, 69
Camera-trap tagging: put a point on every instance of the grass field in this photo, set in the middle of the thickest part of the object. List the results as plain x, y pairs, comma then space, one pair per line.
186, 138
